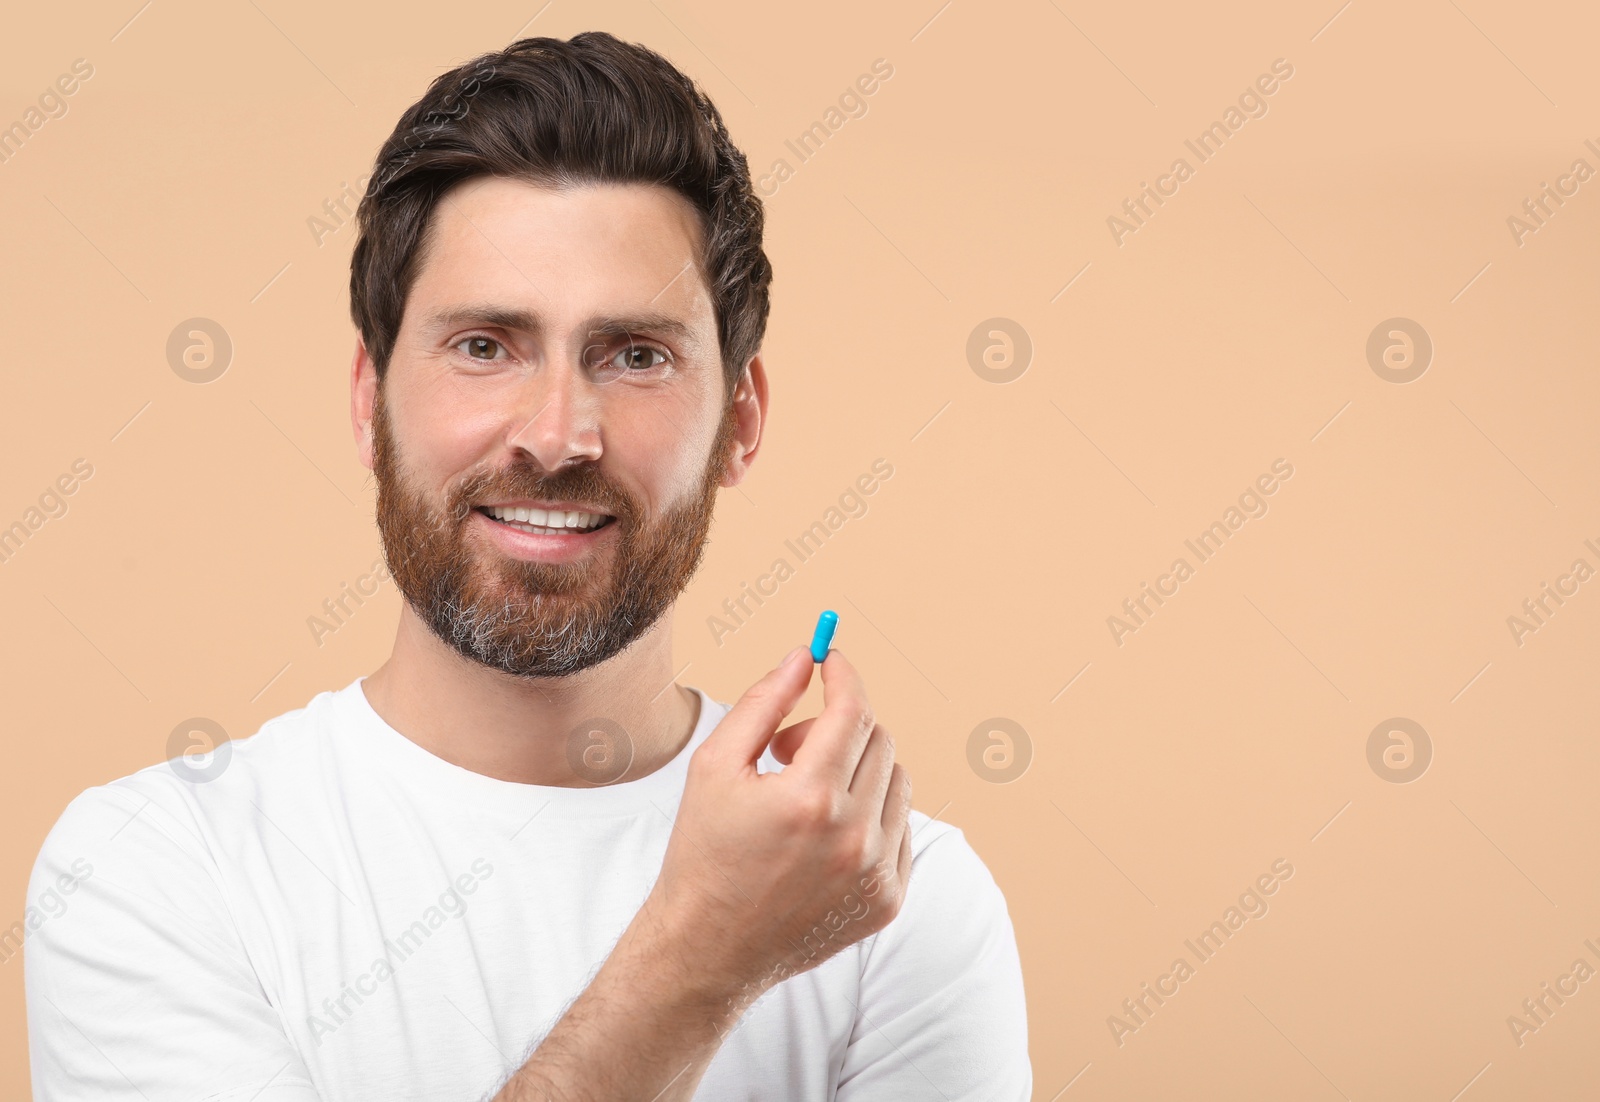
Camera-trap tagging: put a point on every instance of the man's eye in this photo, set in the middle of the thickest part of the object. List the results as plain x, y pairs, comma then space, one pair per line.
480, 348
636, 357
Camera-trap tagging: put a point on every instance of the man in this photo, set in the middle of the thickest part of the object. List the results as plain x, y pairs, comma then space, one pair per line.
519, 861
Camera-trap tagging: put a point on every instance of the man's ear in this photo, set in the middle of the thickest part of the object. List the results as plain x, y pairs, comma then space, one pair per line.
750, 414
363, 397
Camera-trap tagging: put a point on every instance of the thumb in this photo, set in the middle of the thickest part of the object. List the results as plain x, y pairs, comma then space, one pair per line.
743, 734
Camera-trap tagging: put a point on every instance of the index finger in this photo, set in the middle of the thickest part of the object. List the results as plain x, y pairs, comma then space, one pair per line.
833, 746
743, 734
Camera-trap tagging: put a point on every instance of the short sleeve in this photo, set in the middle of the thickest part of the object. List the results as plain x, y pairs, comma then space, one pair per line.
942, 1011
138, 986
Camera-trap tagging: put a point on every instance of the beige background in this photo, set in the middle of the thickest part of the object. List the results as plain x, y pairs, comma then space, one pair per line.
1227, 732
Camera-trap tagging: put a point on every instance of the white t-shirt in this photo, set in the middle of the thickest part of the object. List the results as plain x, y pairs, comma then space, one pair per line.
340, 915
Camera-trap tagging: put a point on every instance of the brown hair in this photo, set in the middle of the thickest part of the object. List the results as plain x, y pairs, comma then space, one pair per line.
592, 109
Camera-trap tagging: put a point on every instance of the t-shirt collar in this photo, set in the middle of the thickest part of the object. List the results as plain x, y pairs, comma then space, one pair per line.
422, 769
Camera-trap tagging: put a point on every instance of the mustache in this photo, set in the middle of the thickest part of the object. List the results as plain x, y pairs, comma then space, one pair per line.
583, 483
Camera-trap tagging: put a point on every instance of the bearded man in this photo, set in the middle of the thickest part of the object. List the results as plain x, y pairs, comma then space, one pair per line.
519, 860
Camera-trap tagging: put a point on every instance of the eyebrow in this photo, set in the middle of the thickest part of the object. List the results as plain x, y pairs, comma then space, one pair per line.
492, 315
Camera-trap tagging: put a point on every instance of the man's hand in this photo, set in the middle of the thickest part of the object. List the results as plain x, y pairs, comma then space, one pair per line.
768, 875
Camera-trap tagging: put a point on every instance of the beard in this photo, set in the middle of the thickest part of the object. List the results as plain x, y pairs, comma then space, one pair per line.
538, 619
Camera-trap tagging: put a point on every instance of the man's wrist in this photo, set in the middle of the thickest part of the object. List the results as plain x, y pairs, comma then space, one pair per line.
673, 970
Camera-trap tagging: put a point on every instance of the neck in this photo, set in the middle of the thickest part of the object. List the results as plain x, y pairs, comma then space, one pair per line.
517, 729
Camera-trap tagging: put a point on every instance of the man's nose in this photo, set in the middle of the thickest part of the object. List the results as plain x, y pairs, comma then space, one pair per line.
558, 414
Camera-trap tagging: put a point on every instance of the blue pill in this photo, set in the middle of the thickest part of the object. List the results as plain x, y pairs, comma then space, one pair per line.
827, 623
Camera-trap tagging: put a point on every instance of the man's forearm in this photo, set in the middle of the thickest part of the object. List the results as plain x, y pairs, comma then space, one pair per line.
645, 1028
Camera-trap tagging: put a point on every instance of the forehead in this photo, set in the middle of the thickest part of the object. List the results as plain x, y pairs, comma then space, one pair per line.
566, 252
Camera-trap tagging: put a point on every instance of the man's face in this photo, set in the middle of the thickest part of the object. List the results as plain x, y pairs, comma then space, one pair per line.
558, 354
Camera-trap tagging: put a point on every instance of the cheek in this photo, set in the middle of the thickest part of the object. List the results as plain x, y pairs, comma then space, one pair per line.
650, 457
662, 454
445, 434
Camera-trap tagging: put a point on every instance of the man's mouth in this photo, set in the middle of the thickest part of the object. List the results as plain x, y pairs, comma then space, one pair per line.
546, 522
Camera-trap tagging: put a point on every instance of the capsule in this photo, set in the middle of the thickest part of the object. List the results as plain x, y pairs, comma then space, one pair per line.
827, 623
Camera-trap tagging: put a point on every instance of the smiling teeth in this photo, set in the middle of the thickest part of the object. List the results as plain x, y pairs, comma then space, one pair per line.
546, 519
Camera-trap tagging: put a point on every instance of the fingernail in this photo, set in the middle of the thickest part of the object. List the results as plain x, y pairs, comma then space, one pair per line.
789, 659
